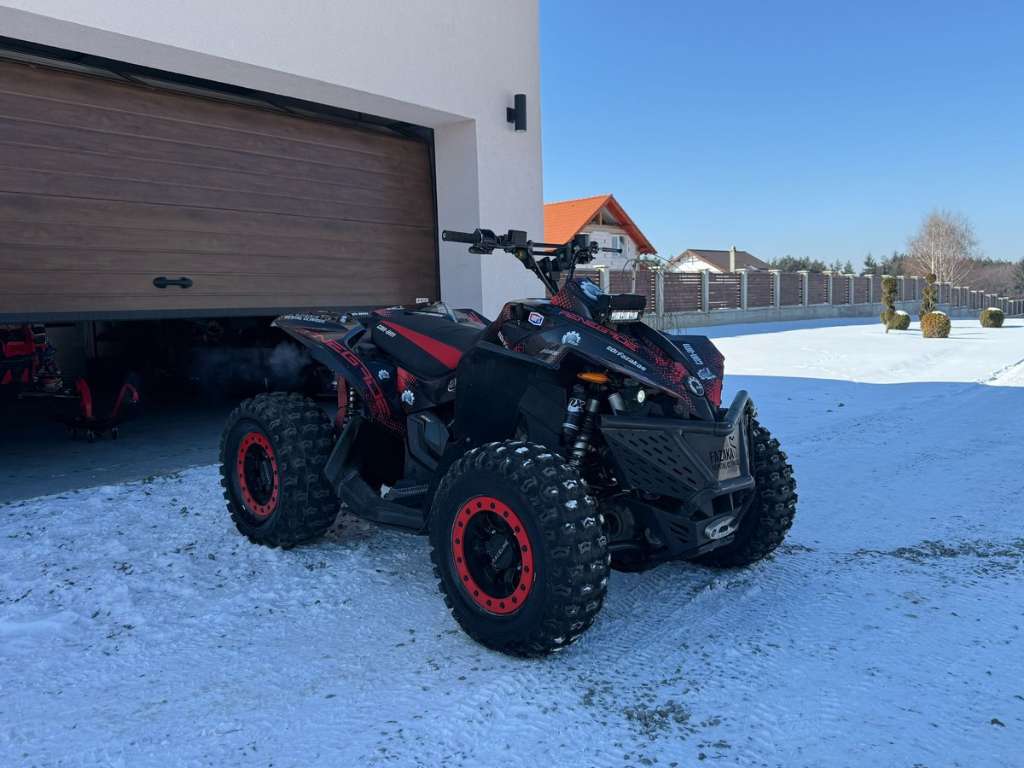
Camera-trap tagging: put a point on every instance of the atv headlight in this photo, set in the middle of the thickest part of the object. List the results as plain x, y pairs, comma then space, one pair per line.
641, 396
624, 316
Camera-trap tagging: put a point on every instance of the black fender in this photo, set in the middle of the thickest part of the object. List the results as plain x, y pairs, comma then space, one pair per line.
499, 390
329, 338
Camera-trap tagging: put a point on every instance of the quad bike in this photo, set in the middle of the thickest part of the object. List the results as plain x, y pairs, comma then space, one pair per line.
536, 451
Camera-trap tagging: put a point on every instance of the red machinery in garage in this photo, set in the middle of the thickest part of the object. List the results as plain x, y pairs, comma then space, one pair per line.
28, 368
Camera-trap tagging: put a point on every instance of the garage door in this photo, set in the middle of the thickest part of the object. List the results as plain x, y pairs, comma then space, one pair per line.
107, 185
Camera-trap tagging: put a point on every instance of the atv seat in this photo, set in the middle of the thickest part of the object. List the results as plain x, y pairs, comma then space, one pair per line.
428, 346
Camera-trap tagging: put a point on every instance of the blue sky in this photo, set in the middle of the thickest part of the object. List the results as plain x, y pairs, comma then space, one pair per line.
810, 128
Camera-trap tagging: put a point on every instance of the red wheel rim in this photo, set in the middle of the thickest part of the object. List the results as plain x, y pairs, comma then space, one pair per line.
256, 468
466, 555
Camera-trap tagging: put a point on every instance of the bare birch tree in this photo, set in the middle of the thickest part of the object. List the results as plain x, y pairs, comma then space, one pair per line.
944, 247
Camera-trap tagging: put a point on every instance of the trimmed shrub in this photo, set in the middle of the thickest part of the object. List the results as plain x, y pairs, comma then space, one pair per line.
935, 325
927, 296
899, 321
890, 287
992, 317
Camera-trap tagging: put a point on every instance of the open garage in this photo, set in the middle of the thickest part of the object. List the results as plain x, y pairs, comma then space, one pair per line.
152, 225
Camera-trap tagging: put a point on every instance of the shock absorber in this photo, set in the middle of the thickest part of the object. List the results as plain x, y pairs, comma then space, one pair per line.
579, 448
573, 415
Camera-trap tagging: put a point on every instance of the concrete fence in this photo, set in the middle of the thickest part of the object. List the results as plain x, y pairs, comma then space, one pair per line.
687, 299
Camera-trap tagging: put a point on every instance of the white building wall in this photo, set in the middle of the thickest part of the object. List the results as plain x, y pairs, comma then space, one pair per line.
452, 65
693, 265
603, 234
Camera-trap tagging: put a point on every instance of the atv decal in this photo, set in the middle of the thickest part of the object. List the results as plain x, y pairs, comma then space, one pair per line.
536, 318
572, 337
626, 358
688, 348
380, 409
629, 343
405, 379
438, 350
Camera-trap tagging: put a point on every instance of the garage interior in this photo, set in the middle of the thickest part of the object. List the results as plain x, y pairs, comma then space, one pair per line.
152, 226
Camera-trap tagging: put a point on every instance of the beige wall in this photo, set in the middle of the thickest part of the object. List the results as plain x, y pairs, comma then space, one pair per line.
452, 65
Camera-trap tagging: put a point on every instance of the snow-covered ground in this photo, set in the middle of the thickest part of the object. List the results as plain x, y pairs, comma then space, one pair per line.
137, 628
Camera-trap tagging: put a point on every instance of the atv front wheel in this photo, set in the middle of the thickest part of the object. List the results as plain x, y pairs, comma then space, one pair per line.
272, 456
770, 514
518, 548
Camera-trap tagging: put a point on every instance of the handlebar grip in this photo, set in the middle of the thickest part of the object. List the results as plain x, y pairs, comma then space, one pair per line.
451, 236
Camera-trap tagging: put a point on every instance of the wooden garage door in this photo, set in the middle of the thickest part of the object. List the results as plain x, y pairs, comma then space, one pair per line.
106, 185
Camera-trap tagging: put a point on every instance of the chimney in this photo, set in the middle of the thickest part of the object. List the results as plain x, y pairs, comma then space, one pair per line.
732, 259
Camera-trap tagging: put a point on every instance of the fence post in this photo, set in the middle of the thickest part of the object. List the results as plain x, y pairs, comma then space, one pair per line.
805, 287
705, 290
743, 289
659, 292
871, 287
902, 282
605, 279
776, 287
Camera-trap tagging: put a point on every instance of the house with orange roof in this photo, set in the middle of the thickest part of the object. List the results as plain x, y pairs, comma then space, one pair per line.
604, 220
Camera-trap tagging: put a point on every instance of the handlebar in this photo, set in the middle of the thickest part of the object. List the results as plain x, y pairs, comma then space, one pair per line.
487, 239
451, 236
547, 260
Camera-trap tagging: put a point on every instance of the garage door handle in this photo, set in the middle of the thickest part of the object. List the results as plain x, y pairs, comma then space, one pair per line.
181, 282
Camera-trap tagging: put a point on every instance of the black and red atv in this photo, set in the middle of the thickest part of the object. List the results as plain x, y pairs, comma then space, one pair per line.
537, 451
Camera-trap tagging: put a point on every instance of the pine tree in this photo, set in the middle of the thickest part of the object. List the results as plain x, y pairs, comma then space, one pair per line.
928, 296
889, 290
1018, 276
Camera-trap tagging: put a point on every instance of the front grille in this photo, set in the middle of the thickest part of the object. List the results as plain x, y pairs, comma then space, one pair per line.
653, 460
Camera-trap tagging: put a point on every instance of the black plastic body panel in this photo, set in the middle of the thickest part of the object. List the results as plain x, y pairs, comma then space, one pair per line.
685, 459
498, 390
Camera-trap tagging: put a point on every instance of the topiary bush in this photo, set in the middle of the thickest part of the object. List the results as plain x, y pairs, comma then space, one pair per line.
927, 296
992, 317
899, 321
890, 288
935, 325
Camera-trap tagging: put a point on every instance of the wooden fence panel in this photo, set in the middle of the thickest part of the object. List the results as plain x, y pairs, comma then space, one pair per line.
682, 291
791, 289
840, 289
724, 290
816, 288
759, 289
860, 289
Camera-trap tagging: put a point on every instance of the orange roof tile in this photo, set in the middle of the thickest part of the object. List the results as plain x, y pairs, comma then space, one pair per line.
564, 220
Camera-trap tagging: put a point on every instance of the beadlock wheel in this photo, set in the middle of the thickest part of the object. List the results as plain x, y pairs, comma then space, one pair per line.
492, 554
272, 453
518, 548
256, 465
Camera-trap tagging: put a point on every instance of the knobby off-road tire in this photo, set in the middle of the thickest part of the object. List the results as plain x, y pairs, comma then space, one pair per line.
523, 495
770, 515
272, 456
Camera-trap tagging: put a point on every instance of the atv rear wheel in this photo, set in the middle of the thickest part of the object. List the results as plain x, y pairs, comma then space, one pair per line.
770, 514
518, 548
272, 456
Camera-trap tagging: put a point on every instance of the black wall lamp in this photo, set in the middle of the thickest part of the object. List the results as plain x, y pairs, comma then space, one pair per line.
517, 114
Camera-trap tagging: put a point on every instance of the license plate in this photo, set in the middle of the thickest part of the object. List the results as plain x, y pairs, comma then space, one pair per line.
722, 455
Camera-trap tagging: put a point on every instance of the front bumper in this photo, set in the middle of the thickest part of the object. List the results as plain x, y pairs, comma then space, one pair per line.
681, 458
696, 473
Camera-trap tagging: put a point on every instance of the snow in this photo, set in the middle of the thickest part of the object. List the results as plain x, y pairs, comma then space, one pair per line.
138, 629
